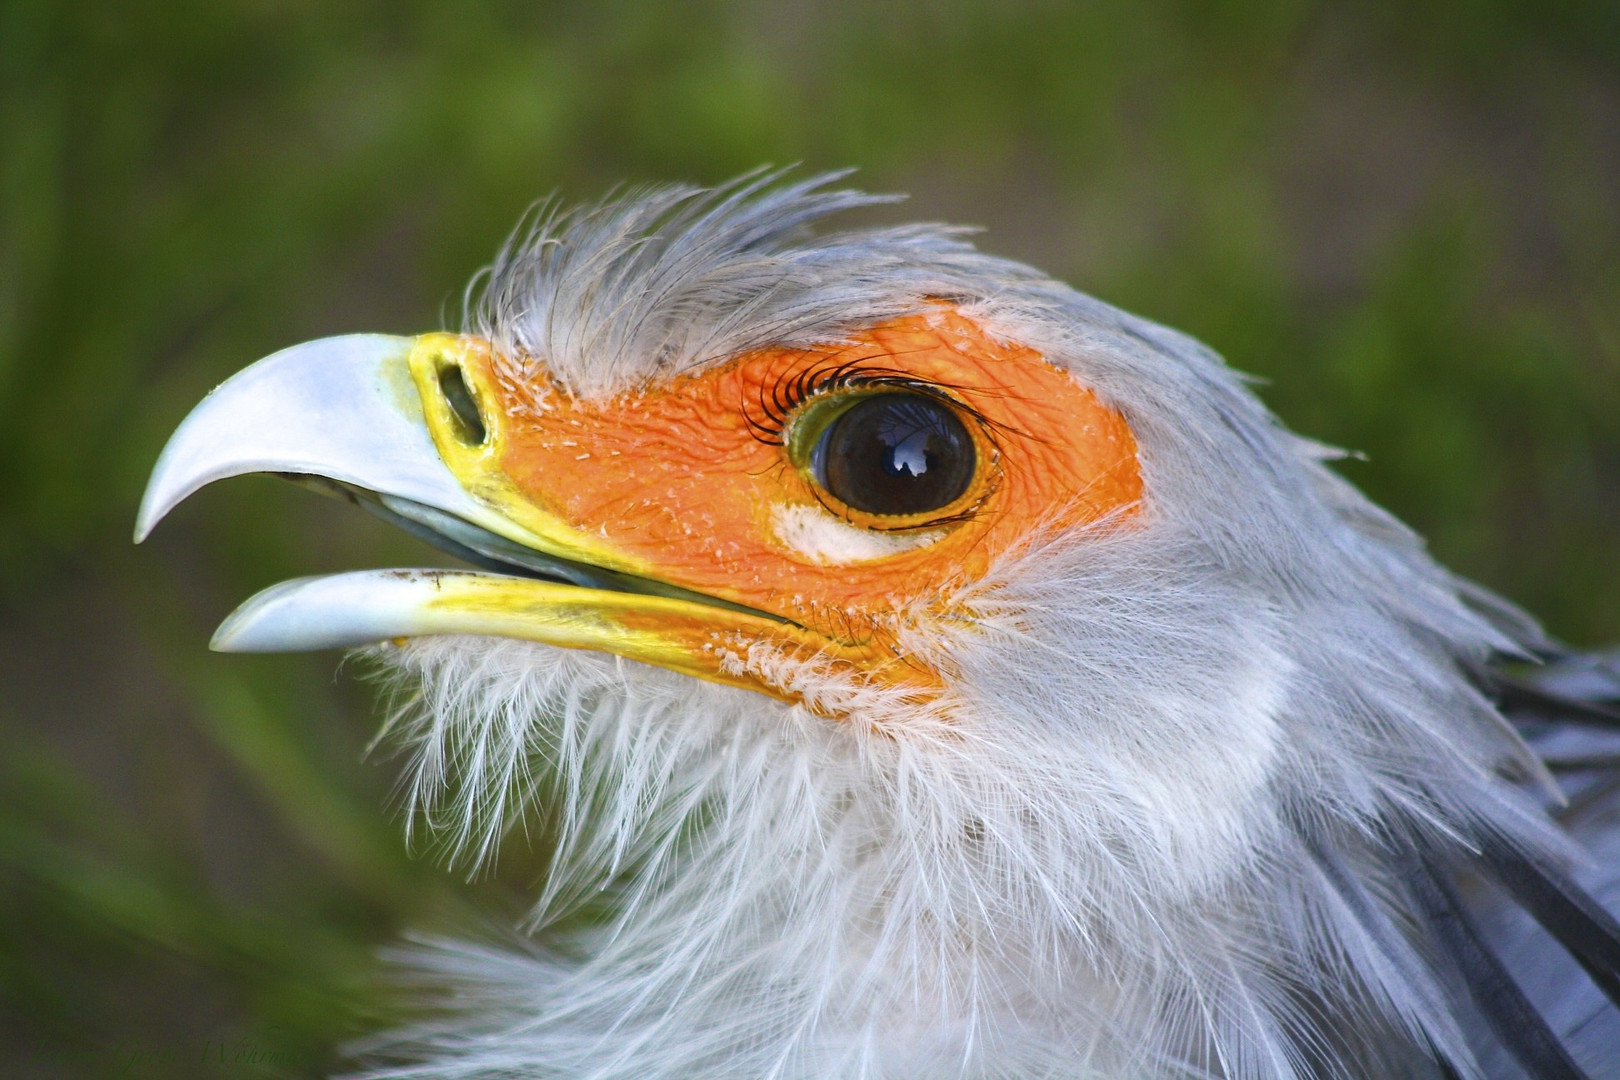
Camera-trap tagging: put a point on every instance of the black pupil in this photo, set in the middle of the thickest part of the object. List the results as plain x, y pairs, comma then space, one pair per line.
896, 454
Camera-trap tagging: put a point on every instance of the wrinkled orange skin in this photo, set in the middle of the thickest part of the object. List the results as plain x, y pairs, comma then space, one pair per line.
674, 476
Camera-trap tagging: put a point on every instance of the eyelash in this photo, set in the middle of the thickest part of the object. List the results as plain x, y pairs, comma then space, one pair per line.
779, 400
786, 396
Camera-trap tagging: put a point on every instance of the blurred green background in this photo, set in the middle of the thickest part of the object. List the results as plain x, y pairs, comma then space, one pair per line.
1404, 214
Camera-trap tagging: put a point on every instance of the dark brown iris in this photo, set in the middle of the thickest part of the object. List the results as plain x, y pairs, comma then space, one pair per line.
896, 454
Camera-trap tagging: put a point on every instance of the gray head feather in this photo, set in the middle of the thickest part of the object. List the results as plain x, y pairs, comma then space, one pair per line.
1158, 844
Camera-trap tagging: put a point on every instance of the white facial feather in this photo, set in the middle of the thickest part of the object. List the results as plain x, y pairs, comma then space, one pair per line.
1087, 861
826, 540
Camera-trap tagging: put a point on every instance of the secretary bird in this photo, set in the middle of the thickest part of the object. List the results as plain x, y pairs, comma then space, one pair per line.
927, 671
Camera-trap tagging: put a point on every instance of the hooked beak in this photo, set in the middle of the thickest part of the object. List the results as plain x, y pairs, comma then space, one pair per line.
406, 428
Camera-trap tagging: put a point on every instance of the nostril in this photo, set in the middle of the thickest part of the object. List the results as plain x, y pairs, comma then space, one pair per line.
469, 423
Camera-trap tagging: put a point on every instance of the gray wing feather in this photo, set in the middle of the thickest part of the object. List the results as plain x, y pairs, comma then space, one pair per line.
1568, 710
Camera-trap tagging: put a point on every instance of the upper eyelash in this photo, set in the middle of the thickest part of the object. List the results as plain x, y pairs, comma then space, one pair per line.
778, 401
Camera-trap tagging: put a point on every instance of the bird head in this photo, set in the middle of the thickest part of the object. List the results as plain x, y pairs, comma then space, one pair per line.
938, 671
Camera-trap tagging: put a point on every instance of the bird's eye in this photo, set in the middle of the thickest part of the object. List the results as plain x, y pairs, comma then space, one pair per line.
895, 454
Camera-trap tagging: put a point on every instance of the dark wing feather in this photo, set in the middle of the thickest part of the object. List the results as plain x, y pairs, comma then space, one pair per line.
1537, 1003
1563, 908
1512, 1017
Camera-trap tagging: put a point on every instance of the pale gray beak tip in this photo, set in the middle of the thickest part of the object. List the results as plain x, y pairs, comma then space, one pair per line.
343, 408
150, 513
336, 611
254, 626
164, 490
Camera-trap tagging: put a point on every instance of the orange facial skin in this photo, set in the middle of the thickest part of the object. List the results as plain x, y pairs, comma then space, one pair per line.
690, 479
